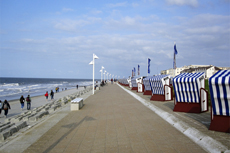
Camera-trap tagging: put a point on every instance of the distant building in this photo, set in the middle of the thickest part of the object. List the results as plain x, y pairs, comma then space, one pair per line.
209, 70
172, 72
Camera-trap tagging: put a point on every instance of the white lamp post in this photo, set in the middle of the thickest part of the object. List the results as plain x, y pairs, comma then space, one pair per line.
102, 72
104, 75
93, 63
101, 75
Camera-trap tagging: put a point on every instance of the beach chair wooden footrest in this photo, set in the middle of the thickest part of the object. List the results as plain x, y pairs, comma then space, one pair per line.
220, 123
187, 107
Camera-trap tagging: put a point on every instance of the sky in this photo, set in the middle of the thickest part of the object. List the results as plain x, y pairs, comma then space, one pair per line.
57, 39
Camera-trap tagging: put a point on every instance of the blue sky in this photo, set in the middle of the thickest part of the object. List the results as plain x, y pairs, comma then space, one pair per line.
57, 39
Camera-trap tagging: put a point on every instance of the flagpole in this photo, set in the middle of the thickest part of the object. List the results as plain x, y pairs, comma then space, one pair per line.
147, 66
93, 74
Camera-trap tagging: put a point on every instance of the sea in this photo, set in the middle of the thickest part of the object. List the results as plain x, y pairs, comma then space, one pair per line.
13, 88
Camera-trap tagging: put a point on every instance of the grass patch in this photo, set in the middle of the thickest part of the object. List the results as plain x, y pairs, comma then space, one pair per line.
207, 88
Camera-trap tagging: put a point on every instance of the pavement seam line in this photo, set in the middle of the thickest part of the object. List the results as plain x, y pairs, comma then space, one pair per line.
203, 140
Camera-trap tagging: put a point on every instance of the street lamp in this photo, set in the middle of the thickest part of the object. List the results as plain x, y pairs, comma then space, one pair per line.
101, 75
93, 63
104, 75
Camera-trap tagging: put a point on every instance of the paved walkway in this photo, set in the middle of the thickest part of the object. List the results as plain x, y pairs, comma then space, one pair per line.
113, 121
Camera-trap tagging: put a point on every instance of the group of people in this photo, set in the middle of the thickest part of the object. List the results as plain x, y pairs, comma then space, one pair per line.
6, 106
51, 95
28, 101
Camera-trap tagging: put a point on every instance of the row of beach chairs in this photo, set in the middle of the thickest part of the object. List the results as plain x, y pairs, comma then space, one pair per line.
190, 95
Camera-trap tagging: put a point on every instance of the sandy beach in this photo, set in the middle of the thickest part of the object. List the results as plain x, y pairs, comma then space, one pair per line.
35, 102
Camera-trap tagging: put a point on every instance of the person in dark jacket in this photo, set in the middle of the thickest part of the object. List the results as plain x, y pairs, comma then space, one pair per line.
22, 100
6, 107
28, 100
52, 94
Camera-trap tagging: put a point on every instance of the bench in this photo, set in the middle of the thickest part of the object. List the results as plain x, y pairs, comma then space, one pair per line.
76, 104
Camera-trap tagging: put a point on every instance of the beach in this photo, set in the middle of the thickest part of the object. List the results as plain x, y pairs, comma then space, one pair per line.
114, 120
36, 101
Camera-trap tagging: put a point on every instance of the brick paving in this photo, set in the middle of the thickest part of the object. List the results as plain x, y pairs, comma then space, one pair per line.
113, 121
200, 121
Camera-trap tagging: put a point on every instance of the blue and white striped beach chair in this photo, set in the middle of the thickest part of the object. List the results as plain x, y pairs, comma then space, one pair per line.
134, 83
140, 84
219, 85
129, 81
190, 93
147, 88
123, 82
161, 91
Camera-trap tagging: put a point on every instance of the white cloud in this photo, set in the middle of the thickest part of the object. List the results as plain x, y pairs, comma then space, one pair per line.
117, 4
135, 4
67, 10
192, 3
96, 12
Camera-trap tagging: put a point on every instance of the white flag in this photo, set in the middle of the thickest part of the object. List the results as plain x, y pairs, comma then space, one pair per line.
95, 56
91, 63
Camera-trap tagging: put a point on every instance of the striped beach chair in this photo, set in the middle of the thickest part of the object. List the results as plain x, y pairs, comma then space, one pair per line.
161, 91
147, 88
129, 81
190, 93
219, 86
140, 85
134, 83
123, 82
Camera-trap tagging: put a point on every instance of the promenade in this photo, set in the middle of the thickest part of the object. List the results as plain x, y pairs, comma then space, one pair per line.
112, 120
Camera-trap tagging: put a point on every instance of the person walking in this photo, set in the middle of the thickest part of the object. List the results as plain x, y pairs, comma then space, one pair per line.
46, 95
6, 107
22, 100
52, 94
0, 107
28, 100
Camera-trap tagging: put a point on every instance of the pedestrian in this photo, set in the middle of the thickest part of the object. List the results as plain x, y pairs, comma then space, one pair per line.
46, 95
22, 100
77, 86
0, 107
6, 107
28, 100
52, 94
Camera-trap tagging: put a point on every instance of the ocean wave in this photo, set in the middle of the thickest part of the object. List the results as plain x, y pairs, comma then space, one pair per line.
25, 86
9, 84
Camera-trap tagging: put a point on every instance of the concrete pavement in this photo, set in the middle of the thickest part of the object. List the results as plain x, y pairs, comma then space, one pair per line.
112, 121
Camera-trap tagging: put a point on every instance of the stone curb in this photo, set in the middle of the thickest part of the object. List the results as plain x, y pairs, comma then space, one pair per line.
205, 141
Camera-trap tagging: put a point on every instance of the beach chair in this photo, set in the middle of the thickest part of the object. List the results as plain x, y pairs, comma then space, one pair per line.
129, 81
123, 82
190, 93
147, 88
134, 83
140, 84
219, 86
161, 91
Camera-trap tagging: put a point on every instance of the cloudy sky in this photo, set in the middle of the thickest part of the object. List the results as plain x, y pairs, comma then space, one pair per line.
57, 39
